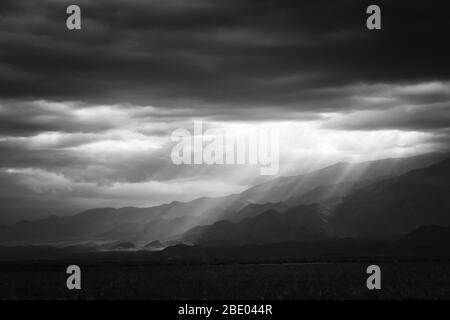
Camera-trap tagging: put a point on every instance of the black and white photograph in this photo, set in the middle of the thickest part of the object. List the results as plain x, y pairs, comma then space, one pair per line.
224, 150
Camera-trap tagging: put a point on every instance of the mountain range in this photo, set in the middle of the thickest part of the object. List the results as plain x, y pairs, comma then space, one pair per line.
388, 207
369, 199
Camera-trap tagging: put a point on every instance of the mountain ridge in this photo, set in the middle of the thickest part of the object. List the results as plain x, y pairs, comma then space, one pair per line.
167, 221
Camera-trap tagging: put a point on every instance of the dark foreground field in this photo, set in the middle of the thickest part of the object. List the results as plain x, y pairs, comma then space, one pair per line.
137, 280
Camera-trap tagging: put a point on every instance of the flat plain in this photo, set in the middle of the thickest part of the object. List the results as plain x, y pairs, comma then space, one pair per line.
140, 280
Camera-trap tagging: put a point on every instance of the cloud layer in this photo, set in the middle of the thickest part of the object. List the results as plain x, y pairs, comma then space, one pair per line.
86, 116
237, 53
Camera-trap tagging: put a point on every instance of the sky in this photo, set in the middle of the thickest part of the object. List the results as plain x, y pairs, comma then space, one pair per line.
86, 116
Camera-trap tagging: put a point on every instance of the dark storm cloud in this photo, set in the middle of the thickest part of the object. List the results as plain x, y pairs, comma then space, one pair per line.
428, 118
420, 107
246, 53
25, 118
